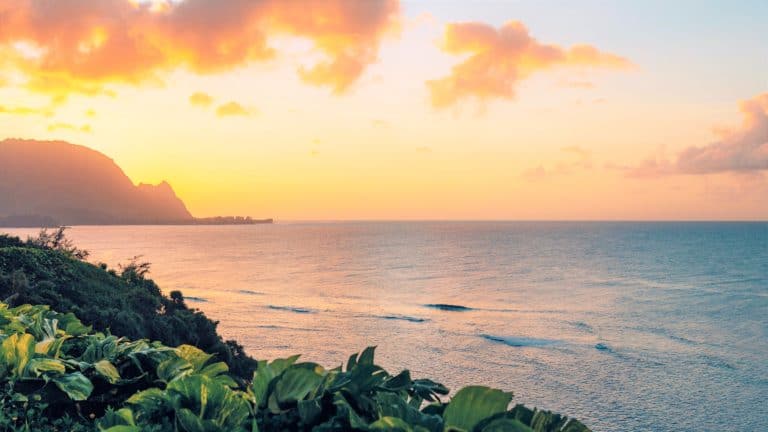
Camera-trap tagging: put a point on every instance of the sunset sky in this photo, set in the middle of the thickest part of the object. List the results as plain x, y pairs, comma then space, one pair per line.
406, 110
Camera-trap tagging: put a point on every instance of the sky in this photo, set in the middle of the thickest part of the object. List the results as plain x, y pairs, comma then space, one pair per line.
336, 110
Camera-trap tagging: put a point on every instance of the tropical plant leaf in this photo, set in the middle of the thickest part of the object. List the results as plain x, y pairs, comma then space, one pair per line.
118, 421
52, 346
210, 401
390, 424
189, 421
471, 405
263, 376
39, 366
172, 368
107, 370
393, 405
197, 357
366, 357
295, 384
75, 385
309, 410
506, 425
17, 350
150, 403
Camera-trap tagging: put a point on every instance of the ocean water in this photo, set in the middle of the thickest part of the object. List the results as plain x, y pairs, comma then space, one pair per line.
626, 326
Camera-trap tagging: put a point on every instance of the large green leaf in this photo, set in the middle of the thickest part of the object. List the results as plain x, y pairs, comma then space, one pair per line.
209, 400
107, 370
471, 405
195, 356
546, 421
390, 424
172, 368
265, 373
189, 421
309, 410
51, 347
150, 402
118, 421
506, 425
296, 383
366, 357
71, 325
394, 405
39, 366
17, 350
75, 385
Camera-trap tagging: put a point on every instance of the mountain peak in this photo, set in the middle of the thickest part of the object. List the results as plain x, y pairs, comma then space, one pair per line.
76, 185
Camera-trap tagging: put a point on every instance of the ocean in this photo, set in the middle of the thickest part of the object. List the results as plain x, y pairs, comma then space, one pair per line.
626, 326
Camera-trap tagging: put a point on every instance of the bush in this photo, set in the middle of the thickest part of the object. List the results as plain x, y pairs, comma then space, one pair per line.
125, 303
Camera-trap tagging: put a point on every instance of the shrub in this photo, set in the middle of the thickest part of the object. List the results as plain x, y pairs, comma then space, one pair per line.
126, 303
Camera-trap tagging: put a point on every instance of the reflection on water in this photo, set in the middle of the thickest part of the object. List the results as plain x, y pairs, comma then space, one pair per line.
628, 326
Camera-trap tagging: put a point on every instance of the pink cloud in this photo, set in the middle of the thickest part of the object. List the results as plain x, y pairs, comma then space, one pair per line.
500, 58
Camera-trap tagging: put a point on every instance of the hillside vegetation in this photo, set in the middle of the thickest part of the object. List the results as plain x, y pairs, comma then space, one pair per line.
49, 270
111, 372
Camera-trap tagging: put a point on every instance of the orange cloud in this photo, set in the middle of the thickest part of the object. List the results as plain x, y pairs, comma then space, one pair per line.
740, 150
201, 99
500, 58
743, 149
82, 45
231, 109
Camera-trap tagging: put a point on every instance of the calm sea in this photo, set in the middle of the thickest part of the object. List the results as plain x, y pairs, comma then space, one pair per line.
627, 326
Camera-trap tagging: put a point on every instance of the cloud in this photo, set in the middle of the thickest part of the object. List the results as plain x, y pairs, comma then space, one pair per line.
500, 58
82, 45
22, 110
69, 127
231, 109
200, 99
580, 160
742, 149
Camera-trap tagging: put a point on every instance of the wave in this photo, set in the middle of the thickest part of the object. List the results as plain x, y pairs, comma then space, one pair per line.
716, 362
279, 327
603, 347
666, 333
291, 309
520, 341
529, 311
402, 318
582, 326
195, 299
448, 307
600, 346
249, 292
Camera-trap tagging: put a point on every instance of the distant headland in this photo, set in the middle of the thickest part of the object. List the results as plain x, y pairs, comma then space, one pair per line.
53, 183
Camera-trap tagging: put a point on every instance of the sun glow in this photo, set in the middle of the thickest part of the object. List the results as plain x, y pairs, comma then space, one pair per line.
383, 109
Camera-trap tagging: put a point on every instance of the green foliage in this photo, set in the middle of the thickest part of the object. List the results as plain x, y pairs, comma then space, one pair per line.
58, 241
471, 405
49, 270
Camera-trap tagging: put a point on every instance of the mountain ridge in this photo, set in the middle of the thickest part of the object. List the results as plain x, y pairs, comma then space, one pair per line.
70, 184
